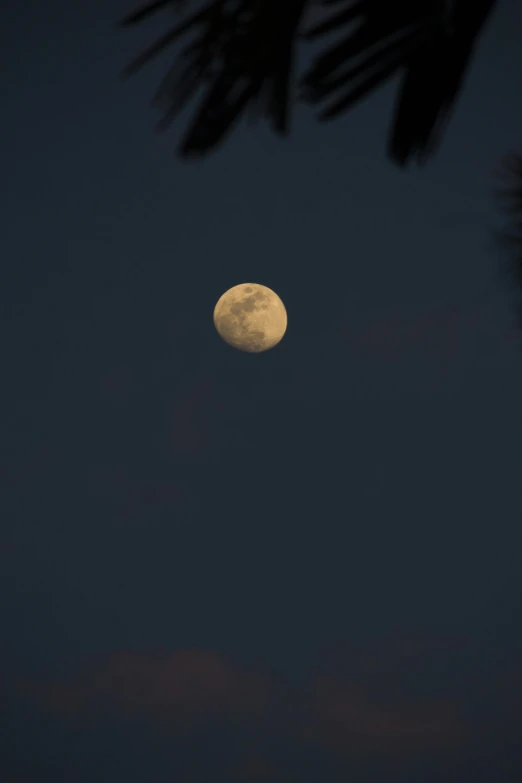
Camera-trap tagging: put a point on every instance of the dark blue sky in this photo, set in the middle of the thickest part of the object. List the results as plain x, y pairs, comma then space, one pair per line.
295, 566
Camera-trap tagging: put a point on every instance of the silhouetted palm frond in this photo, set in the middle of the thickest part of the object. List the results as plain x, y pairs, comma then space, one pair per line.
242, 58
231, 61
429, 42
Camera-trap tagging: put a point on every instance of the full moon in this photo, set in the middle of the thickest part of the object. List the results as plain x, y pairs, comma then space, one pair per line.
250, 317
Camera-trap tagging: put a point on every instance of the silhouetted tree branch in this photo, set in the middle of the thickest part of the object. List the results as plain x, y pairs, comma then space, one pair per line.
243, 51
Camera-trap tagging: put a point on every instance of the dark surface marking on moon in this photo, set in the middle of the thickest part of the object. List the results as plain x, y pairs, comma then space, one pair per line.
235, 330
235, 324
256, 301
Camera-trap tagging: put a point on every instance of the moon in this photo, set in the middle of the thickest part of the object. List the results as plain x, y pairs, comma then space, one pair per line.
250, 317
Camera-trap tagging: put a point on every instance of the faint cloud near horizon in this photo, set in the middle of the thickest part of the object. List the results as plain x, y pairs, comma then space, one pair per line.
362, 708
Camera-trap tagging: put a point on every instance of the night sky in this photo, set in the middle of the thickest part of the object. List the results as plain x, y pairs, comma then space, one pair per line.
302, 565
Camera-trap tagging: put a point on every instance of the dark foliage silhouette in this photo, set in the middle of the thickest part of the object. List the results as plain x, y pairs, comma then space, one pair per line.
242, 55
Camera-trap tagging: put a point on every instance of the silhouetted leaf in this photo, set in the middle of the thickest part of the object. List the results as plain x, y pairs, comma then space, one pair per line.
243, 50
431, 43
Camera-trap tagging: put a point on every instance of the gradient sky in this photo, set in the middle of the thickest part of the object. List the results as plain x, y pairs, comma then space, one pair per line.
297, 566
